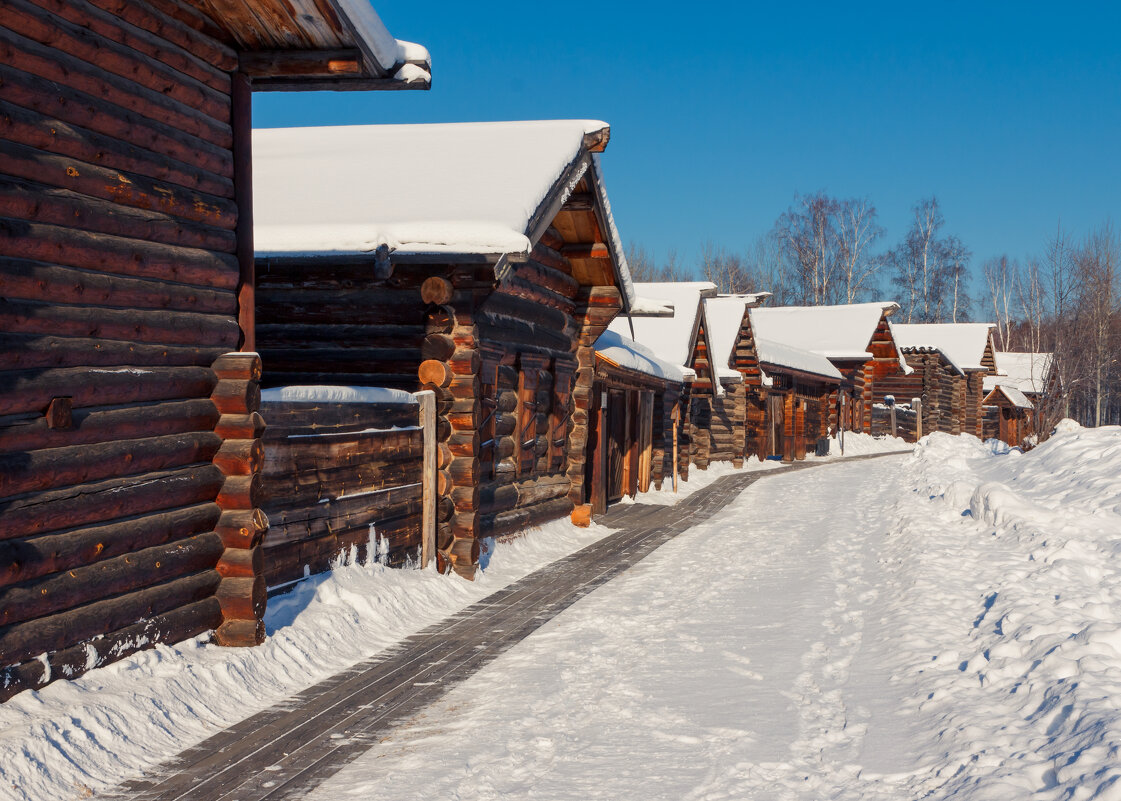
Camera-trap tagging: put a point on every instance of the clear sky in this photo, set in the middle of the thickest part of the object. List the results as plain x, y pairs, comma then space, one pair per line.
721, 112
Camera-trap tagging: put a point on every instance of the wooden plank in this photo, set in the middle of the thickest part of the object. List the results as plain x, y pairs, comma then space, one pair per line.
428, 525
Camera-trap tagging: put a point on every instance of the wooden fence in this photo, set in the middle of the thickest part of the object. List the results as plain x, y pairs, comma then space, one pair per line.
346, 478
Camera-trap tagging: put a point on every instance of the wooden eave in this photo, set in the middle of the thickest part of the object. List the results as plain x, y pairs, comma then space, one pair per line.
637, 376
770, 368
289, 45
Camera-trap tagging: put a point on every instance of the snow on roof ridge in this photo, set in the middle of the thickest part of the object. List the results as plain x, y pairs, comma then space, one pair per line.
1014, 395
962, 344
391, 54
470, 188
840, 331
625, 352
670, 338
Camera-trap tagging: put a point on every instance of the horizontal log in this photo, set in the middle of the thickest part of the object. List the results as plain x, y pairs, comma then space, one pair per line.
93, 425
33, 557
436, 290
236, 426
497, 497
242, 598
242, 528
517, 520
118, 255
241, 366
99, 68
321, 417
36, 471
335, 308
109, 577
236, 396
439, 320
281, 335
437, 346
240, 492
45, 318
465, 499
542, 489
240, 457
64, 191
31, 280
465, 549
359, 519
464, 471
521, 288
24, 640
150, 17
240, 633
435, 372
178, 624
32, 390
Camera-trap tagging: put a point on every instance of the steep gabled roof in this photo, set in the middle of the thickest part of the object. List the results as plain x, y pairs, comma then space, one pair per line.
1014, 396
1027, 372
962, 344
466, 191
836, 332
669, 338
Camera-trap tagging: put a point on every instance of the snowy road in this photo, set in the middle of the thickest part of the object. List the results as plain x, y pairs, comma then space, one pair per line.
720, 667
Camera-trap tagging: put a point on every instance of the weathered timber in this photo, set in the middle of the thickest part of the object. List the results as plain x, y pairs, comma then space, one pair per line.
141, 326
30, 391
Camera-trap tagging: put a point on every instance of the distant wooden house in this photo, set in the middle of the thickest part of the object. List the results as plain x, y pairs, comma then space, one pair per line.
128, 441
636, 403
682, 339
857, 340
950, 363
1031, 374
476, 260
1011, 414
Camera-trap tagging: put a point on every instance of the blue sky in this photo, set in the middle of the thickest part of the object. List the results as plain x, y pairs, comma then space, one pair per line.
722, 112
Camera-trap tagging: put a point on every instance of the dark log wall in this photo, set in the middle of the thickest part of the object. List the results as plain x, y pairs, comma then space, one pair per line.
938, 385
701, 398
119, 280
337, 478
726, 425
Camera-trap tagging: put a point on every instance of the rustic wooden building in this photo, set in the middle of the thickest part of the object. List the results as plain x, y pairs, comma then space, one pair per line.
1034, 376
856, 338
950, 362
476, 260
128, 440
1008, 411
681, 339
636, 403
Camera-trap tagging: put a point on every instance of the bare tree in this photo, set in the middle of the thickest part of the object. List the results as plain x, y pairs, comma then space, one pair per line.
931, 270
729, 271
1098, 266
857, 231
1001, 278
644, 268
808, 233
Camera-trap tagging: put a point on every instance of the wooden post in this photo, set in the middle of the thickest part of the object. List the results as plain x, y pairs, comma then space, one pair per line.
241, 106
675, 418
916, 404
599, 465
427, 400
891, 410
646, 439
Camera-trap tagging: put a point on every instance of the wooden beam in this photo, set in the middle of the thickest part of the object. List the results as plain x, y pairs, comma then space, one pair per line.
580, 201
596, 142
242, 123
587, 250
301, 63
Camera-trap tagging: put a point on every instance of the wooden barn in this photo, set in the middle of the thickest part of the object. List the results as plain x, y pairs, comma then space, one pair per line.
1032, 375
681, 339
950, 362
632, 438
128, 436
479, 261
857, 340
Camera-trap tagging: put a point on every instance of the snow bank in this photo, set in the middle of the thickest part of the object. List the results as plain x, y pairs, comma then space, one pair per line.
1013, 587
75, 738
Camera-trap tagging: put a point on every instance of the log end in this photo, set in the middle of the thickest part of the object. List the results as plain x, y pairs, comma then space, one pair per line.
240, 633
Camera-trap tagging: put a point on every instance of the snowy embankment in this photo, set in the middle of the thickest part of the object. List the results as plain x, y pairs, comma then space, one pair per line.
73, 738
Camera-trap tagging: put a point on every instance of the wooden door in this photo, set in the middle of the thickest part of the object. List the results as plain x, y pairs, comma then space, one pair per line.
645, 440
595, 468
616, 443
777, 425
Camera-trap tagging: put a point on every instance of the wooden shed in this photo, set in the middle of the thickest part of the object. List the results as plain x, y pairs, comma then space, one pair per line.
128, 443
476, 260
1031, 374
636, 403
1012, 411
950, 362
856, 338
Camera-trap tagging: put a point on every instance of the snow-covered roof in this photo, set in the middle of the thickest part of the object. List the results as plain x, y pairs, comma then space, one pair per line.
669, 338
836, 332
462, 188
403, 61
1015, 396
1026, 372
723, 316
805, 361
625, 352
963, 344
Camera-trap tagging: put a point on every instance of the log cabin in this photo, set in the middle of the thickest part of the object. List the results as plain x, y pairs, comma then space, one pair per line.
681, 339
636, 402
1007, 415
479, 261
1034, 376
950, 362
856, 338
129, 441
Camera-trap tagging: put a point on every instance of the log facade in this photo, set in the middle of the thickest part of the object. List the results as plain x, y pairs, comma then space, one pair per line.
506, 346
129, 441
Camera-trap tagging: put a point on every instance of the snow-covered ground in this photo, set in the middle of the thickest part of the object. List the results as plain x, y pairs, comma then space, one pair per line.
941, 625
75, 738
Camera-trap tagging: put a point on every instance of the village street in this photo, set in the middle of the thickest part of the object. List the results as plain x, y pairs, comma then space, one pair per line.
827, 635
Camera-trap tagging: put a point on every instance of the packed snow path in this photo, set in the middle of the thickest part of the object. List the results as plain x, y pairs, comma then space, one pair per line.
287, 751
742, 660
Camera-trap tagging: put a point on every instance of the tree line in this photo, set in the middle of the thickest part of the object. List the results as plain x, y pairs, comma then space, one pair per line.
824, 250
